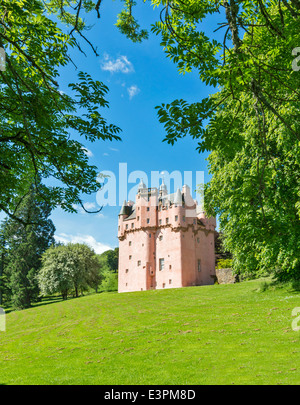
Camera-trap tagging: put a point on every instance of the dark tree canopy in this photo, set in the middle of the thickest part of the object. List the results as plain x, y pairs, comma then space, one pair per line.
22, 247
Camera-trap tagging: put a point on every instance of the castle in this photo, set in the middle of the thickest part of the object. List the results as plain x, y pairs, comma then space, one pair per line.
164, 242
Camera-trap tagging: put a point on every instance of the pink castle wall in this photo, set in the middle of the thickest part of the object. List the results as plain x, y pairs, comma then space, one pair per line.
168, 233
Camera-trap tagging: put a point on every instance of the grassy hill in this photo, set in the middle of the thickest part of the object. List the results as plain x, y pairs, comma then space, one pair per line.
222, 334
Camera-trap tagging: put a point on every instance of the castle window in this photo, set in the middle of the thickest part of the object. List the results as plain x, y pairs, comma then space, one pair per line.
199, 265
126, 271
138, 218
149, 235
198, 240
167, 220
118, 227
161, 264
160, 237
148, 208
160, 222
126, 226
164, 284
170, 268
139, 263
129, 243
183, 218
130, 257
132, 225
176, 217
170, 281
148, 220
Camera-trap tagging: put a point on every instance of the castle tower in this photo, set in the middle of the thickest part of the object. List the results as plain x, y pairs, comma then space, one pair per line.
163, 242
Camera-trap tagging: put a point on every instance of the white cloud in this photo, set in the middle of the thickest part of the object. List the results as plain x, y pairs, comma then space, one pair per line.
121, 64
86, 239
133, 91
88, 152
89, 205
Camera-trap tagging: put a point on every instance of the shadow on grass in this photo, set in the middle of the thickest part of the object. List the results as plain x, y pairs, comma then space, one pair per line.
292, 286
49, 300
43, 301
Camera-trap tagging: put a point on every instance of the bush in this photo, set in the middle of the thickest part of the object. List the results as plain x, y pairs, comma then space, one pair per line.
224, 264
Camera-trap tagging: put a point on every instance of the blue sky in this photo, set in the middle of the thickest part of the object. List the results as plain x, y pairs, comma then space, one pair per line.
139, 77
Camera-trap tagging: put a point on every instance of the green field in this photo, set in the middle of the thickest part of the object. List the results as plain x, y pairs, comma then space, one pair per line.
221, 334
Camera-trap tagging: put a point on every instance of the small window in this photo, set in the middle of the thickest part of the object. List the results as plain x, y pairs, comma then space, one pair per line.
170, 281
130, 257
176, 218
148, 208
139, 263
164, 284
160, 237
148, 220
129, 243
170, 267
138, 218
199, 265
132, 225
126, 226
198, 240
160, 222
161, 264
126, 271
167, 220
149, 235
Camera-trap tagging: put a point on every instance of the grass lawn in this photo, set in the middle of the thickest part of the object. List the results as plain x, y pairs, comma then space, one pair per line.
221, 334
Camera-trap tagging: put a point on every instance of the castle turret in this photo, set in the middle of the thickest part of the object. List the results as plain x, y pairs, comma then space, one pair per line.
178, 197
124, 210
163, 189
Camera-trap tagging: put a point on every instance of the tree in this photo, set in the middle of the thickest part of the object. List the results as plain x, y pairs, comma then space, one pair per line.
22, 248
37, 118
66, 268
55, 275
109, 282
109, 260
250, 125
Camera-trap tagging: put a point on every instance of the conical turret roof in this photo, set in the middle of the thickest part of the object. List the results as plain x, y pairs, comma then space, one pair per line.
178, 197
124, 209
